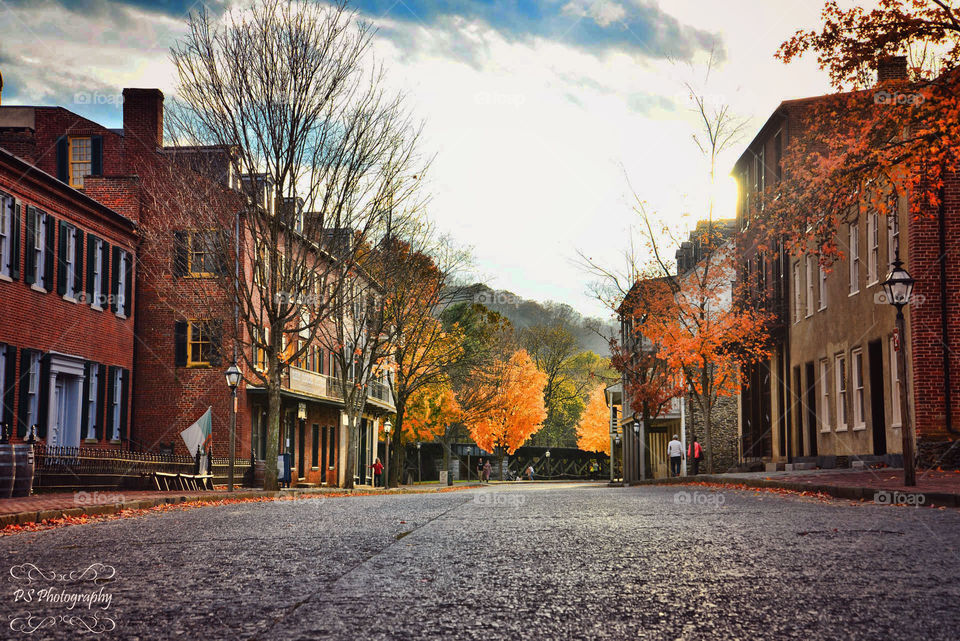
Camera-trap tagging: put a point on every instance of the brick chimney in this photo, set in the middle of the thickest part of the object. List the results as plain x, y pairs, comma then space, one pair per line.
143, 118
891, 68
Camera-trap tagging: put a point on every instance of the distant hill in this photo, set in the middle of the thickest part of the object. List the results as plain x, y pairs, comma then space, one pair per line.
592, 333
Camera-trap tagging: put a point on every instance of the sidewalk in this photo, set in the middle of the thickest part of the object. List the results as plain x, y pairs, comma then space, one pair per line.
40, 507
940, 489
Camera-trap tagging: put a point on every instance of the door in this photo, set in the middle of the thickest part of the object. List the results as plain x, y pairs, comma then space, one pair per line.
811, 410
657, 448
362, 452
323, 455
877, 417
65, 432
302, 450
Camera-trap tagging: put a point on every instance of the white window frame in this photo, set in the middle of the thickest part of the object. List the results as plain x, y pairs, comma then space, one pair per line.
822, 291
797, 299
39, 249
7, 209
116, 403
92, 385
122, 283
70, 292
840, 385
824, 395
859, 393
873, 248
896, 421
893, 232
97, 285
810, 306
33, 392
854, 258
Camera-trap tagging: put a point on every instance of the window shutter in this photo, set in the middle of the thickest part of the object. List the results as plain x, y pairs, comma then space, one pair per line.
96, 155
49, 252
216, 342
30, 256
43, 401
101, 398
62, 232
15, 243
179, 254
111, 375
91, 263
62, 161
85, 400
124, 395
78, 264
128, 287
180, 344
23, 410
115, 280
10, 381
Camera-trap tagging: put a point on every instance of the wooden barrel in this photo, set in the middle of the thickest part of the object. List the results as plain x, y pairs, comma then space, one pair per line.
7, 470
23, 477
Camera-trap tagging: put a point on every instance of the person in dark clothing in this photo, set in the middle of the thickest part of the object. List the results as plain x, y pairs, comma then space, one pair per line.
480, 470
377, 467
695, 454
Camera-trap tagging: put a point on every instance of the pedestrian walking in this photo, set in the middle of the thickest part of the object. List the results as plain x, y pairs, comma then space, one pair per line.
377, 468
695, 454
486, 471
675, 452
480, 470
529, 472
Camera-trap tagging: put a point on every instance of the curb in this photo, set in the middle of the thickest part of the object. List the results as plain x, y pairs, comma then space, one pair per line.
848, 492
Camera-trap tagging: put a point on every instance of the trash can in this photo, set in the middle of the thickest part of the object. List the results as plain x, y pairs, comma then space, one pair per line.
23, 475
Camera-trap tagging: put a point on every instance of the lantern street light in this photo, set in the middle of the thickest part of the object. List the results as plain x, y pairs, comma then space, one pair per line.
233, 380
549, 469
613, 454
387, 426
898, 287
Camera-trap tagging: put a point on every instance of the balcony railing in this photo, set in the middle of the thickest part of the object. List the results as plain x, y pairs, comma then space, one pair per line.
328, 387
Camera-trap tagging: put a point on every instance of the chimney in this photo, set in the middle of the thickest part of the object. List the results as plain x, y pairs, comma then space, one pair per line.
891, 68
143, 118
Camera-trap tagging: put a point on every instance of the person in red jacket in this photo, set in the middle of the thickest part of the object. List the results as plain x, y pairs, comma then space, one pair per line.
377, 472
695, 454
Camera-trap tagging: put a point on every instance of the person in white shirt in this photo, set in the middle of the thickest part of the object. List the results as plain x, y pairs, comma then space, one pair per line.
675, 452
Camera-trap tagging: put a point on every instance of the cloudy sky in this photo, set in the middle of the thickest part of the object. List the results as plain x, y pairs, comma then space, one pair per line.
537, 112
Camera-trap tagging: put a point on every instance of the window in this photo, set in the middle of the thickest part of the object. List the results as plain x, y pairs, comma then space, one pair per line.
122, 279
39, 248
797, 299
895, 420
893, 231
745, 195
824, 395
810, 284
116, 404
854, 258
332, 451
9, 237
778, 154
68, 261
32, 380
95, 254
199, 344
859, 406
840, 373
315, 447
259, 350
873, 247
822, 289
91, 400
203, 253
81, 160
761, 175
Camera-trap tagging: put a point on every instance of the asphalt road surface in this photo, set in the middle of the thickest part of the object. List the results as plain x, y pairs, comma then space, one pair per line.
523, 562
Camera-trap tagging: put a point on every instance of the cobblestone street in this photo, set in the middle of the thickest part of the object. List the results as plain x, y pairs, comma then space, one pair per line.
532, 561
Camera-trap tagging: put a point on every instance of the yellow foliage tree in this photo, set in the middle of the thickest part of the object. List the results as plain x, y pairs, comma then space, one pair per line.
593, 431
517, 410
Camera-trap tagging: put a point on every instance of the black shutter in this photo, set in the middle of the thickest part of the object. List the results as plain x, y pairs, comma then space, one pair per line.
48, 254
180, 344
101, 398
96, 155
115, 280
91, 263
30, 260
9, 382
105, 276
179, 254
128, 286
85, 400
15, 242
23, 409
111, 376
78, 264
62, 160
216, 342
43, 401
124, 394
62, 236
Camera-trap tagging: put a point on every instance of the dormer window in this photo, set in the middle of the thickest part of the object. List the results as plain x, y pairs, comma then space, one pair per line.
81, 160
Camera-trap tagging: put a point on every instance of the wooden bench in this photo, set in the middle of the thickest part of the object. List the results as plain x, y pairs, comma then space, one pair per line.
166, 481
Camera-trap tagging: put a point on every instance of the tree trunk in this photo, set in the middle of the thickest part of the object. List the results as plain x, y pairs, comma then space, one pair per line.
708, 433
348, 463
270, 480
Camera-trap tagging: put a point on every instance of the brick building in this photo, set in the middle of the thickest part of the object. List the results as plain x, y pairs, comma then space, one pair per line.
183, 328
67, 287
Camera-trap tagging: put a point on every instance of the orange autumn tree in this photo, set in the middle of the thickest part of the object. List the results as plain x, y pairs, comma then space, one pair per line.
517, 409
429, 411
593, 430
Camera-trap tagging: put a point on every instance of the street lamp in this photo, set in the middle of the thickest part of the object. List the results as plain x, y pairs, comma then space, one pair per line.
899, 287
233, 380
419, 466
549, 470
387, 426
613, 453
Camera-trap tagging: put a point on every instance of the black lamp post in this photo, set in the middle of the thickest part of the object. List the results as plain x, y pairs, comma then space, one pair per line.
387, 426
613, 454
233, 380
549, 470
898, 287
